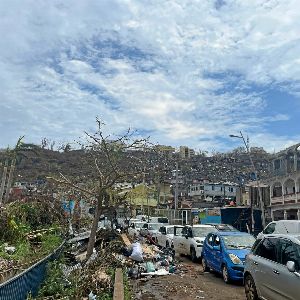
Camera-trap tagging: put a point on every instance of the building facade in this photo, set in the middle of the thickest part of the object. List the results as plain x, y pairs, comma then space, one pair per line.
285, 184
186, 152
209, 191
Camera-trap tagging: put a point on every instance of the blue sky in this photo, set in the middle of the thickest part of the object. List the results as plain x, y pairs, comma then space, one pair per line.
186, 72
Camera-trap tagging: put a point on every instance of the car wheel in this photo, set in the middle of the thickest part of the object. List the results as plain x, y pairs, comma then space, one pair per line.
250, 288
193, 255
225, 274
204, 265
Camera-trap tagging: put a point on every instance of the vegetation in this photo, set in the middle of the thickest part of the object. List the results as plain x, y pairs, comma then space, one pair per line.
34, 229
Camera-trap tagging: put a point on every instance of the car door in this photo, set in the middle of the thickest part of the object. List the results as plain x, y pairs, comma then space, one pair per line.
217, 257
288, 283
208, 250
265, 265
179, 241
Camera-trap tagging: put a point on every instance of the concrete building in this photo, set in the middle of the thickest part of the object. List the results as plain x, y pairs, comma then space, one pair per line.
209, 191
186, 152
285, 184
167, 151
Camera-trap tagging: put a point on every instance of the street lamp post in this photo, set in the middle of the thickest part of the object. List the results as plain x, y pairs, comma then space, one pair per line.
256, 179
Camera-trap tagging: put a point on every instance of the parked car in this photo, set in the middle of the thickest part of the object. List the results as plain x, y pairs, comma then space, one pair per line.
134, 228
150, 229
272, 269
281, 227
225, 252
222, 227
163, 220
190, 241
164, 236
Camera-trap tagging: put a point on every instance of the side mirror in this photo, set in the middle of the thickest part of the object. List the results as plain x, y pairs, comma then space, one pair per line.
217, 248
291, 266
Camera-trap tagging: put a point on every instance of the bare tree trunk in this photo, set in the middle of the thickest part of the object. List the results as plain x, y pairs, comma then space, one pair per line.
10, 177
94, 228
3, 181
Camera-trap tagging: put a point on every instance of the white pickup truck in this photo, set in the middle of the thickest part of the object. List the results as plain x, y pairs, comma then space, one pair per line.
190, 241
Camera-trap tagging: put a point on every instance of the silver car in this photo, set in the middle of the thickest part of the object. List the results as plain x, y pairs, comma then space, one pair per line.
272, 269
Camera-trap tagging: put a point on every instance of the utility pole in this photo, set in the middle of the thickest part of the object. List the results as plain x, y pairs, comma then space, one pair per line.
257, 182
176, 188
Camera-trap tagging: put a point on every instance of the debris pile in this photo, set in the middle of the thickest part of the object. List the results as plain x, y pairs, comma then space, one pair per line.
87, 278
148, 260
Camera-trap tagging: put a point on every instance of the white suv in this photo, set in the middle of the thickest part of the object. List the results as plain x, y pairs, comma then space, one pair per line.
190, 241
164, 237
282, 226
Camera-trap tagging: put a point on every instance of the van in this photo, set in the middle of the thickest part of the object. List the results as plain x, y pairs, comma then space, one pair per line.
281, 227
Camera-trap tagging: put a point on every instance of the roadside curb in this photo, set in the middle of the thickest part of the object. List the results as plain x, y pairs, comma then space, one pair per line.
119, 285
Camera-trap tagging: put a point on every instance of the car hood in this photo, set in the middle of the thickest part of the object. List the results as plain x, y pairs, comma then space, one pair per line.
240, 253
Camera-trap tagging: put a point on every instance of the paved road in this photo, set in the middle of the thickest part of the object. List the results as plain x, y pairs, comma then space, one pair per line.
191, 283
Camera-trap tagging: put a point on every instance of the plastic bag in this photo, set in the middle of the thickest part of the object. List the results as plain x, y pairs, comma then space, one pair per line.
137, 252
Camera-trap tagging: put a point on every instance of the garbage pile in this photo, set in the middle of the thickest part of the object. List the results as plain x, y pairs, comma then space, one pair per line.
144, 260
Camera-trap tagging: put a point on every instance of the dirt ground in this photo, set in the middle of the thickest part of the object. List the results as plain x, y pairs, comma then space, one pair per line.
190, 283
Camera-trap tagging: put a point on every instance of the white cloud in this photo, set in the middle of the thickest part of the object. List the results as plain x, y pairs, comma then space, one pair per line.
181, 69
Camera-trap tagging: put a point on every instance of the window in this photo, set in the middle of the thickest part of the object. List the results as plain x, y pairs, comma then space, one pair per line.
255, 244
210, 240
184, 231
288, 251
217, 241
267, 249
270, 228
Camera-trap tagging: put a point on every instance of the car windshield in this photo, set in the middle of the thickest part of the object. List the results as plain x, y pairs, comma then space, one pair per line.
238, 241
203, 231
154, 226
170, 230
138, 224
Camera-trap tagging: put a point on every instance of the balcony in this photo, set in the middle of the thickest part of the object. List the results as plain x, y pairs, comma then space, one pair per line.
290, 198
276, 200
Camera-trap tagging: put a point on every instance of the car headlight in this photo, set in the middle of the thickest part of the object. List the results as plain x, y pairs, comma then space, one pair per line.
235, 259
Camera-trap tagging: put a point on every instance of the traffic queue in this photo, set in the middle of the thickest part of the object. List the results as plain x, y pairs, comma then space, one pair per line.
269, 265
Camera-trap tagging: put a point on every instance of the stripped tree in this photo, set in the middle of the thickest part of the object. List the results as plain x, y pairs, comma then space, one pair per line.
111, 159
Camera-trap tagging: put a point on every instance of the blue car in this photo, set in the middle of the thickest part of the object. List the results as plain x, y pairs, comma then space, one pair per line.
225, 253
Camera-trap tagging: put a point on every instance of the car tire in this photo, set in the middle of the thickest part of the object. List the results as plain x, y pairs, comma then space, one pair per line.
204, 265
193, 255
225, 274
250, 288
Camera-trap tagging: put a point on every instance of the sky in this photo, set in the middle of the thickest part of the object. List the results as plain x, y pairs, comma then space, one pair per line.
184, 72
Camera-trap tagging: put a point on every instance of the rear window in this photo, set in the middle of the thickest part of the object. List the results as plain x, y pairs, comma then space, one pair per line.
162, 220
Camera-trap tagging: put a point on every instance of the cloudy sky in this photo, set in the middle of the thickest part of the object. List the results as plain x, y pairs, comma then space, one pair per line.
185, 72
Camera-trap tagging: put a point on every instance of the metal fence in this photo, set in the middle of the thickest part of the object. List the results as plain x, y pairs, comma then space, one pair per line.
29, 281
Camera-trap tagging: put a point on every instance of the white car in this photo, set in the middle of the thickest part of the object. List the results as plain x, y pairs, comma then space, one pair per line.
281, 227
190, 241
164, 237
134, 228
150, 229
